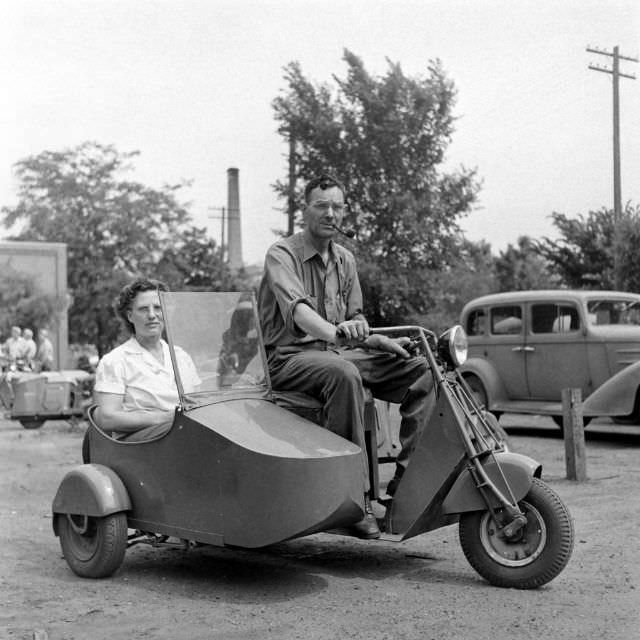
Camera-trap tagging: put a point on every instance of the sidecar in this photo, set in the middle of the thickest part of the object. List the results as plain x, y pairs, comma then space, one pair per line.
33, 398
242, 466
235, 468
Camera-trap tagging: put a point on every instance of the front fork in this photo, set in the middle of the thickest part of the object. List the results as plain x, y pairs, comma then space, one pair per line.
480, 447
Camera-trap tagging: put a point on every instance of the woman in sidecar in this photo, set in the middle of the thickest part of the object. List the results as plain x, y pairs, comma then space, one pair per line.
236, 469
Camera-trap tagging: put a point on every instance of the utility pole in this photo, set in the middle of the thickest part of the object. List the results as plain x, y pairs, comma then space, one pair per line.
222, 217
291, 200
617, 188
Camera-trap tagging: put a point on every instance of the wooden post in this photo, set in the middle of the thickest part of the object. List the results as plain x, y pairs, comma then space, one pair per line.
573, 425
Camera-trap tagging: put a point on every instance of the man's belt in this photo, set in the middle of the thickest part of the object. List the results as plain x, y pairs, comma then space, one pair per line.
285, 349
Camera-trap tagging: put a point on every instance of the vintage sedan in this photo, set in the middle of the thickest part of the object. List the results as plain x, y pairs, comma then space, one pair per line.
525, 347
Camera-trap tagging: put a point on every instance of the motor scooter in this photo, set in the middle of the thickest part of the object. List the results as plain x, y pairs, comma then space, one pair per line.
238, 469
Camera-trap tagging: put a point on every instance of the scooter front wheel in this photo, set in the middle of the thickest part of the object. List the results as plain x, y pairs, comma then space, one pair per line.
531, 558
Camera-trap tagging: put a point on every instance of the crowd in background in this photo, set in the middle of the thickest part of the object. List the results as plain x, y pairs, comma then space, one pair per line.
21, 352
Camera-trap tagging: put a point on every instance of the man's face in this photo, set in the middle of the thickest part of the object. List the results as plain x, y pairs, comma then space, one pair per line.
325, 209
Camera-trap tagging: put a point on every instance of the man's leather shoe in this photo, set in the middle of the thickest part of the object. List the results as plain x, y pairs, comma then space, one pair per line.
367, 528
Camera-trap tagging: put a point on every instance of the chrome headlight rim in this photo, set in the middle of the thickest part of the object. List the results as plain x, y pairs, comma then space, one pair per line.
453, 346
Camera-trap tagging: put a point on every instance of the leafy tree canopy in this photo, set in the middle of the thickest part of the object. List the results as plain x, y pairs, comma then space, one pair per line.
194, 262
472, 274
385, 138
521, 268
583, 257
22, 303
114, 229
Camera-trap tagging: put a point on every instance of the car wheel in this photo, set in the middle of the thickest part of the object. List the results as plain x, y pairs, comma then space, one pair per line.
478, 390
559, 420
480, 394
86, 452
631, 418
93, 547
31, 424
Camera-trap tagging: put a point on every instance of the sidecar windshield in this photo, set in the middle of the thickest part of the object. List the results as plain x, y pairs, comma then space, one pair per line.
215, 345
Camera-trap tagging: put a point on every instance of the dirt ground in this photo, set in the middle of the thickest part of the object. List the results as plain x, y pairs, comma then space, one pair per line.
324, 586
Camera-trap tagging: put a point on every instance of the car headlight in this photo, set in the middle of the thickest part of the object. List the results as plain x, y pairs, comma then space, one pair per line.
453, 346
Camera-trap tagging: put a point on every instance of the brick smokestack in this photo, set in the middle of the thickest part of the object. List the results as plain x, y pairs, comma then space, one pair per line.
233, 213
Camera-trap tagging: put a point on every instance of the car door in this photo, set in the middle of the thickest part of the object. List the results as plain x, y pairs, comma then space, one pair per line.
556, 350
505, 348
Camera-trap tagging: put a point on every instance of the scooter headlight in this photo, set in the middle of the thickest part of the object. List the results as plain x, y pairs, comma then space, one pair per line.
453, 346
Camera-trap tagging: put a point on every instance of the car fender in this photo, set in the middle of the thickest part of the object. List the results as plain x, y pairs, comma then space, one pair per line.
519, 471
92, 490
616, 396
489, 377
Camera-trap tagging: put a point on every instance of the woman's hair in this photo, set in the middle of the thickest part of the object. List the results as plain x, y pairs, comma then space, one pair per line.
125, 298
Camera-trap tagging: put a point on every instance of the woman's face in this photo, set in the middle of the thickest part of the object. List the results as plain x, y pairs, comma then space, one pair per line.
146, 315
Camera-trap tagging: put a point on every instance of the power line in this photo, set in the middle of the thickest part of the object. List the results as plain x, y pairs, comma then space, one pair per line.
617, 187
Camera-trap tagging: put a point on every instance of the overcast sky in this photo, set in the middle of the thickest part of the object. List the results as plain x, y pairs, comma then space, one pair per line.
190, 84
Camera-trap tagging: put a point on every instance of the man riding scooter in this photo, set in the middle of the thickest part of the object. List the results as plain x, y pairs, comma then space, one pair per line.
318, 341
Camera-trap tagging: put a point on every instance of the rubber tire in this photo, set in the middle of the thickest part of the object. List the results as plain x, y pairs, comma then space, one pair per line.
99, 554
480, 393
553, 554
626, 420
559, 420
86, 448
632, 418
31, 424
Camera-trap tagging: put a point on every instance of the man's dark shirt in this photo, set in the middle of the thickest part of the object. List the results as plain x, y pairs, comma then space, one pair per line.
295, 273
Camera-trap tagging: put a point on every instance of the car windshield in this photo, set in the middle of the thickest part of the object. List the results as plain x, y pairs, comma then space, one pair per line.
613, 312
215, 345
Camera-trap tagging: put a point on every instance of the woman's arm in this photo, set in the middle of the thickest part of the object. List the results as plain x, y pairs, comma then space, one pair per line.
110, 415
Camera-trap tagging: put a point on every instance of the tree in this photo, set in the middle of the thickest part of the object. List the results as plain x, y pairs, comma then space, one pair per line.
194, 262
583, 257
472, 274
521, 268
114, 228
386, 138
22, 303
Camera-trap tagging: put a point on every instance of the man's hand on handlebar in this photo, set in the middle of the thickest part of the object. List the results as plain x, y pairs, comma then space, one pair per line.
391, 345
353, 331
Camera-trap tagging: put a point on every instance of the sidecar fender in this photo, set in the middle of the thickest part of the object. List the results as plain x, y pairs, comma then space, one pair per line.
91, 490
518, 470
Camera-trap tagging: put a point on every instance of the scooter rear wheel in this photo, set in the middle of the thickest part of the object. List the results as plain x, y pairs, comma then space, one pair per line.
536, 555
93, 547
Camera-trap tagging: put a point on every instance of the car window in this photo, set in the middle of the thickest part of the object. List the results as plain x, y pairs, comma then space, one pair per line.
554, 318
506, 320
602, 312
476, 322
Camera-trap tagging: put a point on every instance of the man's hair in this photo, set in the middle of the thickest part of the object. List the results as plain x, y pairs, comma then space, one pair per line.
324, 181
128, 294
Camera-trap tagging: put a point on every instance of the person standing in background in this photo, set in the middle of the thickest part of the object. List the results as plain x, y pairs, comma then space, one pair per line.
30, 347
44, 354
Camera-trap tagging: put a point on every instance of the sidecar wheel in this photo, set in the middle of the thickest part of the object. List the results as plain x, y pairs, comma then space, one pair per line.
533, 557
93, 547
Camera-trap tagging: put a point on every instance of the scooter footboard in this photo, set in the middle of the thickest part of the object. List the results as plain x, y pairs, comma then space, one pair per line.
517, 469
